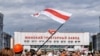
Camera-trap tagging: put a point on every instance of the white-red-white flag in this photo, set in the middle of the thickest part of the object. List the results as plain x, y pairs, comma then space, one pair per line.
57, 15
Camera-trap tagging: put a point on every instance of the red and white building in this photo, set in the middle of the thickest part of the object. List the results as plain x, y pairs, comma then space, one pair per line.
60, 40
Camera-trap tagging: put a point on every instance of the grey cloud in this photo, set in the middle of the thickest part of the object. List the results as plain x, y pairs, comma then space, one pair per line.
17, 15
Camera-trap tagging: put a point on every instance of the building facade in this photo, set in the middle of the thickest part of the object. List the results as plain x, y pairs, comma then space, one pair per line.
69, 41
1, 30
96, 41
7, 38
4, 37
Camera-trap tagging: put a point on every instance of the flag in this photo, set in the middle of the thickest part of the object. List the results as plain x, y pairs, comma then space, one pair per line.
57, 15
36, 14
51, 31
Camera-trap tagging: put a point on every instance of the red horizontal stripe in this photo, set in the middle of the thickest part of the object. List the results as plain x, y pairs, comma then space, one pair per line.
57, 14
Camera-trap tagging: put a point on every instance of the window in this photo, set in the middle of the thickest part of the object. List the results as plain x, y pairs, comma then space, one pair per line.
56, 41
77, 41
41, 41
70, 41
71, 46
26, 41
49, 41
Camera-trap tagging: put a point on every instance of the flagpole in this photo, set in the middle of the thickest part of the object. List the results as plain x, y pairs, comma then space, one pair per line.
50, 36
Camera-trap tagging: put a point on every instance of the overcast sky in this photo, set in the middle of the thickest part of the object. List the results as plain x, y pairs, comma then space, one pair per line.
17, 15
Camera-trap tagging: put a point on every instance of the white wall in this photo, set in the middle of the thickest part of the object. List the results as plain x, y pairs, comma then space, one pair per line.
20, 37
